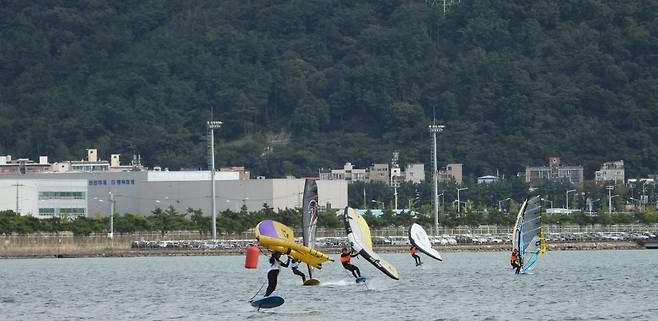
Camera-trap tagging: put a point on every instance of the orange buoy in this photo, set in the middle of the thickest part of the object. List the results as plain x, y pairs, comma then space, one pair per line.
251, 260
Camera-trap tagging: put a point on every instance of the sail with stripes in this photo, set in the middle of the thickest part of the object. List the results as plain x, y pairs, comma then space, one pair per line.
528, 237
310, 219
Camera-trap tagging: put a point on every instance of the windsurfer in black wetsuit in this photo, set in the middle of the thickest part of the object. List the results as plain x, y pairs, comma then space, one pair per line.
345, 257
273, 271
295, 269
515, 261
412, 251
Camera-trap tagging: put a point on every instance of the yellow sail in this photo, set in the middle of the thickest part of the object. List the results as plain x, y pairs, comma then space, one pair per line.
280, 238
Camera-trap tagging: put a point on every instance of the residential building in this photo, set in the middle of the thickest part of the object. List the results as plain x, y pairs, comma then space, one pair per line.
535, 174
414, 173
23, 165
378, 173
243, 173
95, 164
452, 172
611, 172
347, 173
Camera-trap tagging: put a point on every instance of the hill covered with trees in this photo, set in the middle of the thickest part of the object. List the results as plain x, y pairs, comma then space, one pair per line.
302, 85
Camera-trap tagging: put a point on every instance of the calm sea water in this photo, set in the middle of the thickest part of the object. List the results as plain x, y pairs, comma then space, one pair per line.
579, 285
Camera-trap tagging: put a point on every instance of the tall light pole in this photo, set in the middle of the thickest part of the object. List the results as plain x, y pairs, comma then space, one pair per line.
212, 125
459, 203
434, 129
567, 198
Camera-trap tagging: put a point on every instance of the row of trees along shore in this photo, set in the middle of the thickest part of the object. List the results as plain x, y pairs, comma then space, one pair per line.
483, 205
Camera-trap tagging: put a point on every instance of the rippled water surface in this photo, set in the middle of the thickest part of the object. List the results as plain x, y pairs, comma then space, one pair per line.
578, 285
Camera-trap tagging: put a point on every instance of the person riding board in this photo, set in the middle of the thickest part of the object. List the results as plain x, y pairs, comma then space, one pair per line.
273, 271
295, 269
515, 261
412, 251
345, 257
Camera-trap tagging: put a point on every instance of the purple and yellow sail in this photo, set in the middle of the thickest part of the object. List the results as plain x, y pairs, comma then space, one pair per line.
279, 237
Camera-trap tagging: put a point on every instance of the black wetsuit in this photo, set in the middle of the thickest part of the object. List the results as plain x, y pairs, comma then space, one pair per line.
352, 268
273, 274
416, 258
296, 271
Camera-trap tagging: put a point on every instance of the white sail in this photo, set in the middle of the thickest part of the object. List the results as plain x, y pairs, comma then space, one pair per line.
418, 238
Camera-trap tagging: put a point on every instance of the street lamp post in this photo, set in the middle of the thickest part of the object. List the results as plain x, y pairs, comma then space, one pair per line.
549, 201
639, 202
609, 188
459, 204
591, 204
500, 204
566, 205
377, 202
212, 125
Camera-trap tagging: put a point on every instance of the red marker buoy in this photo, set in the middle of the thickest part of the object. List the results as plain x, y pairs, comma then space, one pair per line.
251, 260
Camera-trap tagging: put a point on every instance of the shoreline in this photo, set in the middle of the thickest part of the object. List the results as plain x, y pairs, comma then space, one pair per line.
55, 252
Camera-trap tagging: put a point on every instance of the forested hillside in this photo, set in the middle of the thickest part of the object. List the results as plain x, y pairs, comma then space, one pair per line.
315, 83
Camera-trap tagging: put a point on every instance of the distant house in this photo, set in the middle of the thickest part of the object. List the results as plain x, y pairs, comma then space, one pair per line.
487, 179
535, 174
452, 172
347, 173
23, 165
611, 172
414, 173
378, 173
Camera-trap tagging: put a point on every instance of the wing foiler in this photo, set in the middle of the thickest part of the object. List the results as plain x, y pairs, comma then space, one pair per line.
358, 234
278, 237
418, 238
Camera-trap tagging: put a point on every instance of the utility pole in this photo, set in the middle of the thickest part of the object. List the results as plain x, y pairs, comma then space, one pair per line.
434, 129
212, 125
459, 203
365, 205
17, 186
112, 209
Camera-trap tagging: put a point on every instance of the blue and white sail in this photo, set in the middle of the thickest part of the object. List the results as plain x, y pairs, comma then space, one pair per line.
528, 238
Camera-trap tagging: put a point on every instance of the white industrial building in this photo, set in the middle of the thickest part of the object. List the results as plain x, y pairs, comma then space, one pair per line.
44, 198
88, 193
